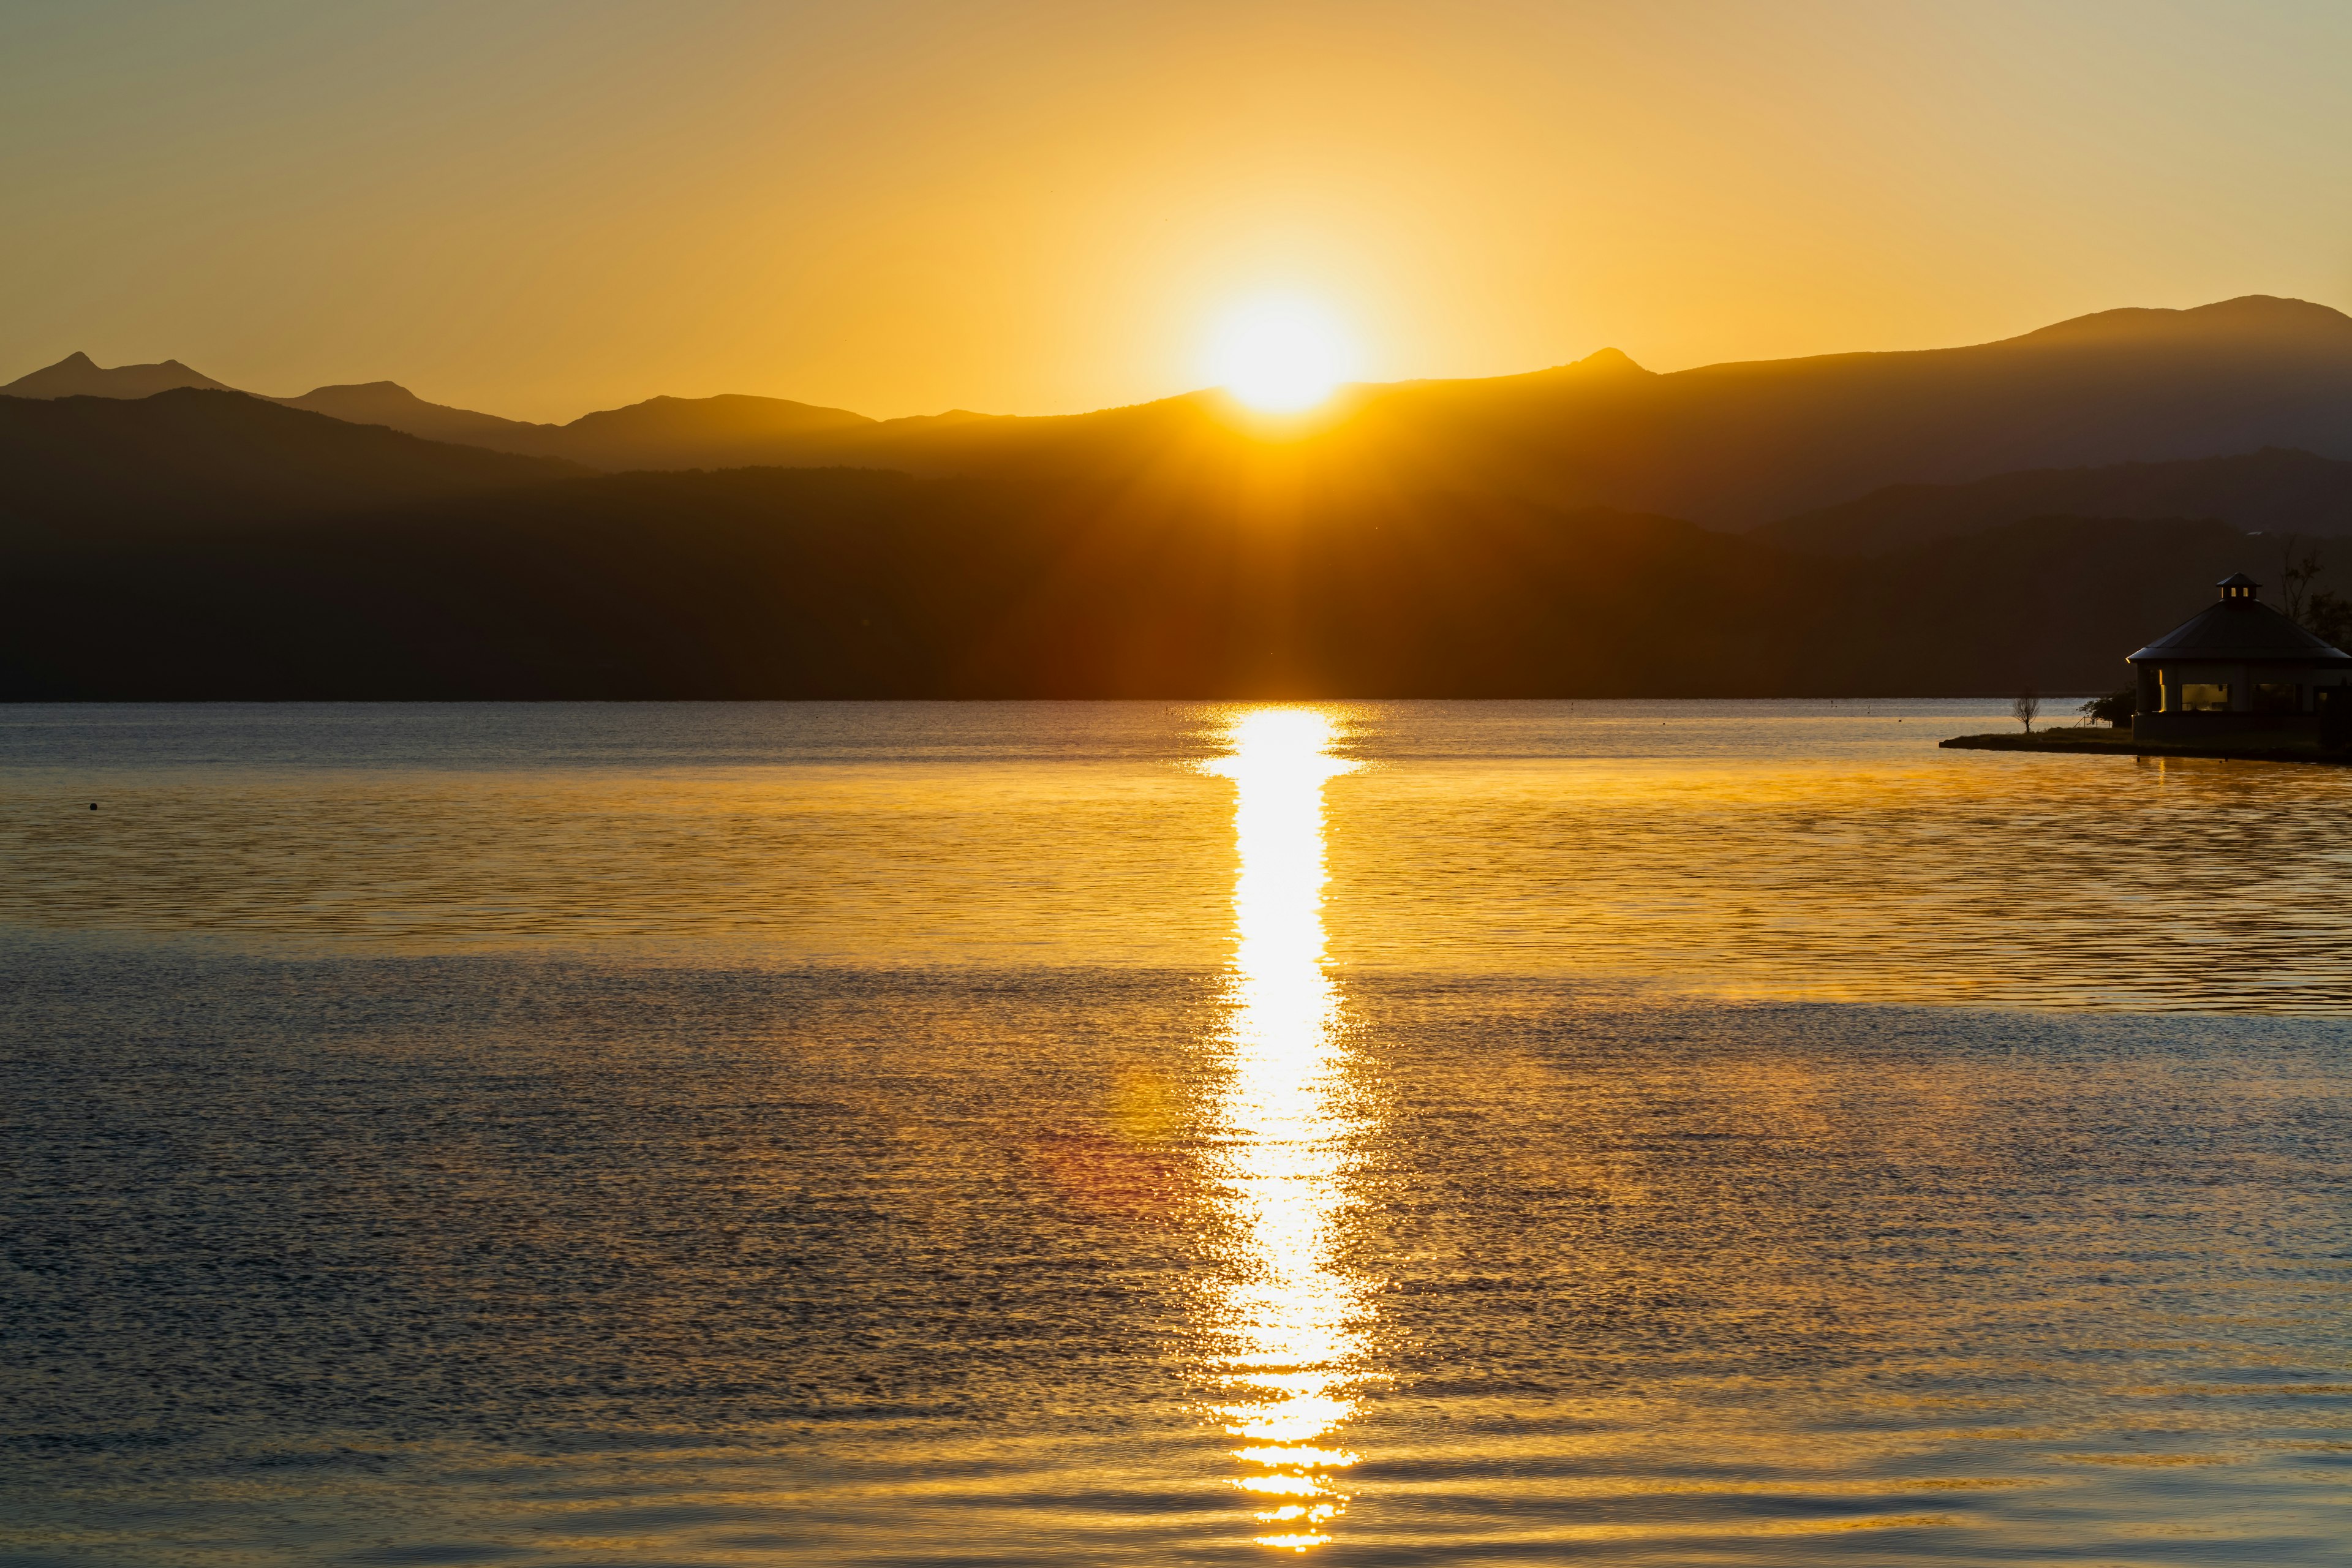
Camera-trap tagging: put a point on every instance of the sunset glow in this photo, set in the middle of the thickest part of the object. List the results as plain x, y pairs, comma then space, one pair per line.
903, 210
1217, 784
1280, 355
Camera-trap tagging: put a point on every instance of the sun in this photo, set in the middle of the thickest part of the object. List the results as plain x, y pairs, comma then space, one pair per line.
1280, 355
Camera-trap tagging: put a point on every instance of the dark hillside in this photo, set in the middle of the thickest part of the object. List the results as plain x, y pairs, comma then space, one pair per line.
1731, 446
76, 375
725, 432
2273, 491
194, 455
849, 583
395, 408
1735, 445
209, 544
2050, 602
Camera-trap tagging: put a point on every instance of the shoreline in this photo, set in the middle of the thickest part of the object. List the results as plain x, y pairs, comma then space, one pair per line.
2119, 743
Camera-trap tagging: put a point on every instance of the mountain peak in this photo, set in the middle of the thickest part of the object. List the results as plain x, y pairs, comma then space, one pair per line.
1608, 361
389, 404
77, 375
379, 389
728, 418
2248, 317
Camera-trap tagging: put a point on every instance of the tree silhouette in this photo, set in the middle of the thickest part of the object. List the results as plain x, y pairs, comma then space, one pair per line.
2299, 564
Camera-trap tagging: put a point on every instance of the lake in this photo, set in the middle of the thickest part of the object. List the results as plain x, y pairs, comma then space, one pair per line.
1617, 1132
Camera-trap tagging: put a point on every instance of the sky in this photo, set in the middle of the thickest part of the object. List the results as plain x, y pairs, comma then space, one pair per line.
902, 207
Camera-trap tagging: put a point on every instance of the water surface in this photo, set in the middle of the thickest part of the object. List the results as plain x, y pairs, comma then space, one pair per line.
1620, 1132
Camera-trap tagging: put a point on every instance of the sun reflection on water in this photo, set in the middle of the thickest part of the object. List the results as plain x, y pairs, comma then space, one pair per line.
1293, 1321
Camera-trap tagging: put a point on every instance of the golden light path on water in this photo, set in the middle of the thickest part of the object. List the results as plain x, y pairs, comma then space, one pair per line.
1294, 1321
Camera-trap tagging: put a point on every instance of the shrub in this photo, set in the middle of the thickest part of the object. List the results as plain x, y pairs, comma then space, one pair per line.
2117, 708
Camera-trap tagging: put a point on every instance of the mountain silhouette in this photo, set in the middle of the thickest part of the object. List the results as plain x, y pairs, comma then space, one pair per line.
200, 544
2274, 490
1731, 446
732, 431
188, 455
76, 376
1534, 535
395, 408
1734, 446
768, 584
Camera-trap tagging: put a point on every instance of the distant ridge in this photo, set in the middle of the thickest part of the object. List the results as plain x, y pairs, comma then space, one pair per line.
76, 375
775, 583
730, 431
2275, 489
192, 455
393, 405
200, 543
2248, 316
1731, 446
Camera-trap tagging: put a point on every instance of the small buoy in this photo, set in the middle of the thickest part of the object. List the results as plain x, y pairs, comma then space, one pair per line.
93, 806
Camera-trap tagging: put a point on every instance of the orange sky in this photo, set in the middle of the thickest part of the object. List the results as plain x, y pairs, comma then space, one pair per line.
901, 207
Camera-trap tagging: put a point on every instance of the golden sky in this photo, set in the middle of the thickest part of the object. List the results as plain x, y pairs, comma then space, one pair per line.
905, 205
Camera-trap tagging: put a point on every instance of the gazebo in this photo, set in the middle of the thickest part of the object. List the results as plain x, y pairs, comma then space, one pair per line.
2237, 670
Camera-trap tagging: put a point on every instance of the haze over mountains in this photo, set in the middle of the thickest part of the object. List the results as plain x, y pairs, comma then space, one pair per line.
1523, 535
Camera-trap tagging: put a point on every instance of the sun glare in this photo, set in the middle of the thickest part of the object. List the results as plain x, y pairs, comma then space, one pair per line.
1280, 355
1293, 1317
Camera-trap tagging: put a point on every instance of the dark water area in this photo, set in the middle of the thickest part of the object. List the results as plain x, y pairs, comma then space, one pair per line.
1398, 1135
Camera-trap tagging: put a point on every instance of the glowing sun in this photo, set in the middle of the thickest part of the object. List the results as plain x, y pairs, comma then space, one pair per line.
1280, 355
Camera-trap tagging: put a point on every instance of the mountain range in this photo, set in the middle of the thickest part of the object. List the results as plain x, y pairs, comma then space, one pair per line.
780, 583
1493, 538
190, 456
1728, 445
206, 544
2276, 491
77, 375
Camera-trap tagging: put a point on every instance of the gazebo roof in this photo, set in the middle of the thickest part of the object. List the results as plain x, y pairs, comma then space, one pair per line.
2242, 628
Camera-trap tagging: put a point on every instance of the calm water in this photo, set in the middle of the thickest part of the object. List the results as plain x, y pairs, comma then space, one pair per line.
1400, 1134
